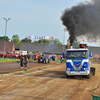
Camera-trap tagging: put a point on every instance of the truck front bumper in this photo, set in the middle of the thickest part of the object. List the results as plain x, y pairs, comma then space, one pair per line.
78, 72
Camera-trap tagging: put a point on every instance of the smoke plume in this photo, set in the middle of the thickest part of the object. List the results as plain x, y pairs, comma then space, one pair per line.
82, 20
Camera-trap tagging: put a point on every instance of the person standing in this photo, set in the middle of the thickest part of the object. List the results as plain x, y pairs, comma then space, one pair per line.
25, 62
21, 63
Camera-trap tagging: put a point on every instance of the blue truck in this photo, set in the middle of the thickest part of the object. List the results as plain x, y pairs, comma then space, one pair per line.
77, 61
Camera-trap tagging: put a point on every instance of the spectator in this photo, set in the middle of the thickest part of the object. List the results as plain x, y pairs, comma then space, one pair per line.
21, 63
50, 57
25, 62
53, 57
62, 59
28, 55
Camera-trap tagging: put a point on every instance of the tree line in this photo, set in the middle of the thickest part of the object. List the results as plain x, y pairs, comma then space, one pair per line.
17, 41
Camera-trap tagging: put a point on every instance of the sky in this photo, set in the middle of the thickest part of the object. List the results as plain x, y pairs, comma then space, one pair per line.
35, 18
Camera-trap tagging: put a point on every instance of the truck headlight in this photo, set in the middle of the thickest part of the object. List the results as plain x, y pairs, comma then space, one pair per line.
85, 68
68, 69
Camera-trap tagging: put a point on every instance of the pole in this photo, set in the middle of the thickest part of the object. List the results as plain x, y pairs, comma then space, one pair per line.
64, 38
5, 35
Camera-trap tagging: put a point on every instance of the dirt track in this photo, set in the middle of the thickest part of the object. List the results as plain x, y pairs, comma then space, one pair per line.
13, 66
48, 84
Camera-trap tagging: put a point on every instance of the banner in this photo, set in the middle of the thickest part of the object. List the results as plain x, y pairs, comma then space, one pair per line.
41, 37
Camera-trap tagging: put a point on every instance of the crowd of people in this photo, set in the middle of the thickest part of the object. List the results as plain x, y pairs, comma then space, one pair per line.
53, 57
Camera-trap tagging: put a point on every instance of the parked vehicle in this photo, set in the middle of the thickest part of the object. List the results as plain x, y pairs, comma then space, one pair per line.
36, 56
9, 55
96, 56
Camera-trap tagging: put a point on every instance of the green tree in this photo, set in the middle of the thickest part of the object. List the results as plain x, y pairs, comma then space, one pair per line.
26, 40
55, 41
35, 41
15, 39
42, 41
3, 38
76, 42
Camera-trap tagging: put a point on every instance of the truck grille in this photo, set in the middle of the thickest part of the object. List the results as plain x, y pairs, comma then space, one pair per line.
77, 66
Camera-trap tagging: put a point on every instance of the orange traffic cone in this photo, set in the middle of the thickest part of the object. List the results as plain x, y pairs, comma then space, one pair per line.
15, 59
7, 59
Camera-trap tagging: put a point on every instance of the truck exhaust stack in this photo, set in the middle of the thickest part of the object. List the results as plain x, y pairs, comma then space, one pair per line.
71, 47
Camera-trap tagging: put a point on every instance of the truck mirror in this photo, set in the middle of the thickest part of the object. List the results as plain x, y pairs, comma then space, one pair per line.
63, 54
90, 54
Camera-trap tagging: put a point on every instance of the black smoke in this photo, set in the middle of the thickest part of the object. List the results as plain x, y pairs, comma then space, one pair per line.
82, 20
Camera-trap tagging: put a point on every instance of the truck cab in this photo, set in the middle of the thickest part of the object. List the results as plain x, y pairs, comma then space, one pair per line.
77, 62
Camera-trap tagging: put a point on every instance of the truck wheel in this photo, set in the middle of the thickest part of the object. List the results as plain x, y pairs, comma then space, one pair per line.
14, 57
38, 60
67, 76
88, 76
1, 56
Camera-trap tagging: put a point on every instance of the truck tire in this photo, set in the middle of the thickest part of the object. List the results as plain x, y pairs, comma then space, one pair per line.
67, 76
88, 76
1, 56
14, 57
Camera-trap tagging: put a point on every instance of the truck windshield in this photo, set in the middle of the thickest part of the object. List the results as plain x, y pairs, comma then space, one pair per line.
77, 54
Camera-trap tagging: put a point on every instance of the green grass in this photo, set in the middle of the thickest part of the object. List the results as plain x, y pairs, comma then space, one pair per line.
21, 71
43, 66
58, 60
30, 59
24, 70
10, 59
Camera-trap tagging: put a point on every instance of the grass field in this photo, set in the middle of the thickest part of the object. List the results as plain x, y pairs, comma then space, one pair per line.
8, 59
11, 59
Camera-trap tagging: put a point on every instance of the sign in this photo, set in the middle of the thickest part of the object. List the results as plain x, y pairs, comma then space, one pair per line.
41, 37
